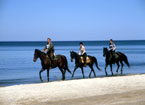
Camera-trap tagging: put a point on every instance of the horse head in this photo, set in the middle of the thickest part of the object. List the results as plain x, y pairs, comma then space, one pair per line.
73, 55
36, 54
105, 51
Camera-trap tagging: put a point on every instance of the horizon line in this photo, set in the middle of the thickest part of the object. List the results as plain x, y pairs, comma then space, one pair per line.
73, 40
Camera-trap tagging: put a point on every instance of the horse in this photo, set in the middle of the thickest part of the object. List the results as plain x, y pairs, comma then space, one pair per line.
90, 60
119, 57
60, 61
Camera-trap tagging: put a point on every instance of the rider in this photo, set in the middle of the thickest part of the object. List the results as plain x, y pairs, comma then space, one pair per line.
112, 48
50, 50
83, 52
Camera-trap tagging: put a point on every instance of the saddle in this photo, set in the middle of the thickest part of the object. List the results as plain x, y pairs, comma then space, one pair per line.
117, 55
87, 59
53, 60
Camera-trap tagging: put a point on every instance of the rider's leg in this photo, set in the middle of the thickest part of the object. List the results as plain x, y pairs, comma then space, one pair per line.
84, 56
114, 55
50, 55
52, 58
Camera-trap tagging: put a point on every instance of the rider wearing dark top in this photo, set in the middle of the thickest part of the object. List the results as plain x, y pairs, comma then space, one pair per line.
112, 48
50, 50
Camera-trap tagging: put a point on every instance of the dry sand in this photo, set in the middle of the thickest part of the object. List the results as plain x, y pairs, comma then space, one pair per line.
118, 90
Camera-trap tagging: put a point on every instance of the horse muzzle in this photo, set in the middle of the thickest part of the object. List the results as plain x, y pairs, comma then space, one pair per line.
104, 55
71, 60
34, 60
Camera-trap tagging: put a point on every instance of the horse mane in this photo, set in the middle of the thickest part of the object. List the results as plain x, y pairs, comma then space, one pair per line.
106, 48
75, 53
38, 51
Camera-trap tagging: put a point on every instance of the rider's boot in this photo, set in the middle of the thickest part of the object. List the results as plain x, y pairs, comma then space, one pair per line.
84, 58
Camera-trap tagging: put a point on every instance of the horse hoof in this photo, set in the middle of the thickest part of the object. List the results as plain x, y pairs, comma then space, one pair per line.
47, 81
116, 73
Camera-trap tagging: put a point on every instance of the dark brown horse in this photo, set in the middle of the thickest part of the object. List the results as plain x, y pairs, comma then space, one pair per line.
60, 61
79, 63
119, 57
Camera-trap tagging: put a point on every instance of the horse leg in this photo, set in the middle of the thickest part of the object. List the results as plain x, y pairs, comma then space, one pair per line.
47, 75
40, 74
90, 74
74, 71
106, 70
63, 73
117, 67
121, 67
92, 70
111, 69
83, 72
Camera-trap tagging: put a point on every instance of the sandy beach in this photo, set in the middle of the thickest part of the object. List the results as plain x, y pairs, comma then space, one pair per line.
116, 90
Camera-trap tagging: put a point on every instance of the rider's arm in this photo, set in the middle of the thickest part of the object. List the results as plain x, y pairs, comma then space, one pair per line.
50, 46
114, 47
110, 47
46, 48
79, 52
83, 50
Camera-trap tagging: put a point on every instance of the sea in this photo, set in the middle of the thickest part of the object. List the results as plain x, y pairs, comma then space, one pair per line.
17, 66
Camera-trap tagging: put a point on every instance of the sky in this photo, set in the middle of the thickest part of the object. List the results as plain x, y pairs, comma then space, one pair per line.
72, 20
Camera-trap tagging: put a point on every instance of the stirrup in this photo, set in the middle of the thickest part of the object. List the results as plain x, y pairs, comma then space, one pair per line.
85, 64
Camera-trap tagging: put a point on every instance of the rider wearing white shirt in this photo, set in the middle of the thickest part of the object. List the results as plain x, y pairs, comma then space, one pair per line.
82, 52
112, 48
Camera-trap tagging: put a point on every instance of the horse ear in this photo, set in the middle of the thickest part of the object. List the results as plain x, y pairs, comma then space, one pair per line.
36, 50
105, 47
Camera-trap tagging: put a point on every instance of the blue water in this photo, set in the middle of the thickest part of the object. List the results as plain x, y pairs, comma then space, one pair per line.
17, 66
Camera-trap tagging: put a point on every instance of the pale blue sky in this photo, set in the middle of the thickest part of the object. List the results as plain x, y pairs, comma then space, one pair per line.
65, 20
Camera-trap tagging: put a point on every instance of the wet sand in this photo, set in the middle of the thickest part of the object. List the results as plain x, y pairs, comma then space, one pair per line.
118, 90
128, 98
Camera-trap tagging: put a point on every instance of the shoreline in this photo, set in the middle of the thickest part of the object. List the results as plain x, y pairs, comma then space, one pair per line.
59, 80
73, 91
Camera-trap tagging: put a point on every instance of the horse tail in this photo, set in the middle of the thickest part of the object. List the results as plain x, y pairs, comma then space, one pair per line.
66, 65
96, 63
124, 57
